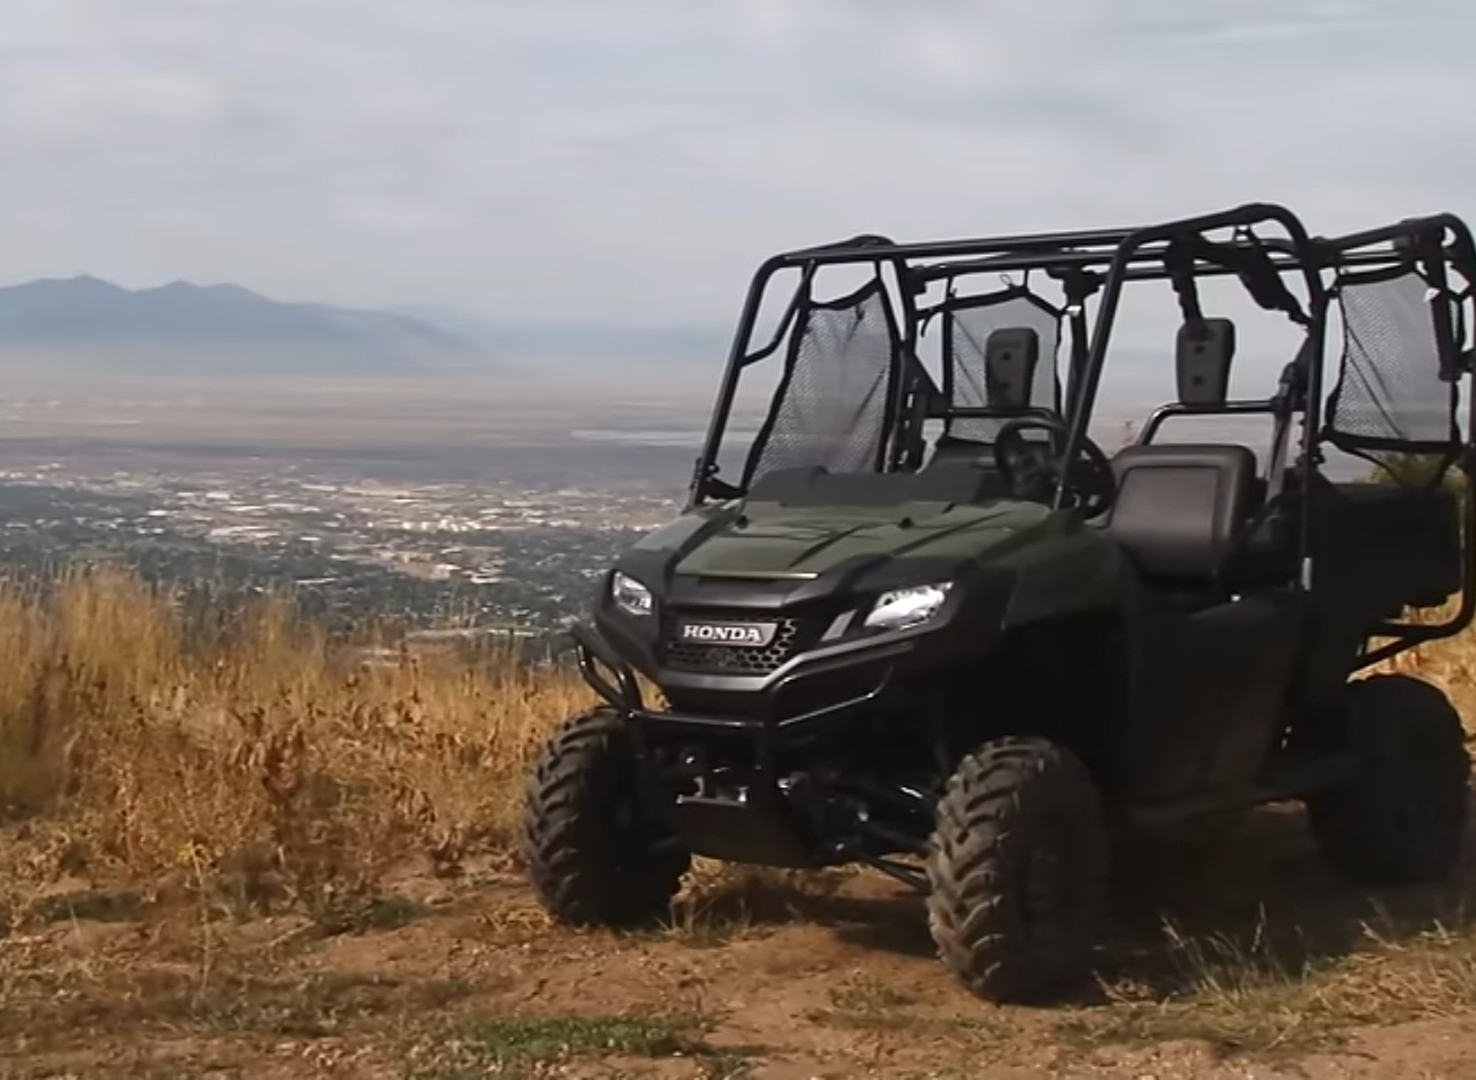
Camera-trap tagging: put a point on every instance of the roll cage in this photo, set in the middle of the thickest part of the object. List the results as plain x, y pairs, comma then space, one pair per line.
1404, 293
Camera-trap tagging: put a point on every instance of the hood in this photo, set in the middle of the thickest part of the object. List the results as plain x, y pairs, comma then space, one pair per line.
774, 541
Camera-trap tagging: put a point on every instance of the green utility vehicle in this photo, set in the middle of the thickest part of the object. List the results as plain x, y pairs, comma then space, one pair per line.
932, 627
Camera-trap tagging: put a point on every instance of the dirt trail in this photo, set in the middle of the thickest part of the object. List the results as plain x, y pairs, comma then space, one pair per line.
768, 979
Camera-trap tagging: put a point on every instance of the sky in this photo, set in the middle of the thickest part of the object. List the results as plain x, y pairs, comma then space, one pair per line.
635, 160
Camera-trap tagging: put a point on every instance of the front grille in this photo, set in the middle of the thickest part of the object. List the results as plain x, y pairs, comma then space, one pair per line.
733, 659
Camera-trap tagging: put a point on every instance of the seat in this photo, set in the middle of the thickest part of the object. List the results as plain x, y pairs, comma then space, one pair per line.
953, 450
1179, 507
817, 486
952, 454
1010, 357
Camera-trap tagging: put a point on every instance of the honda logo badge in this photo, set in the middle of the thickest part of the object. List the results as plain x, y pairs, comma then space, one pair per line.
752, 635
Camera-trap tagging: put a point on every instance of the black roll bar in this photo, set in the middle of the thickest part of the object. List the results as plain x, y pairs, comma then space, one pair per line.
1247, 216
1461, 251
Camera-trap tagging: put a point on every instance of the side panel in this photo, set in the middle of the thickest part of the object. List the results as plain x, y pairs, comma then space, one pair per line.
1070, 568
1378, 549
1212, 688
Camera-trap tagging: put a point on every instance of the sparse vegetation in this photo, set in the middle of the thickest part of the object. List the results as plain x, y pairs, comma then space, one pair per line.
245, 760
1250, 997
171, 778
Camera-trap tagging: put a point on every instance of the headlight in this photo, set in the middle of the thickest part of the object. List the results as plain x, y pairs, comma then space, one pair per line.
630, 595
902, 609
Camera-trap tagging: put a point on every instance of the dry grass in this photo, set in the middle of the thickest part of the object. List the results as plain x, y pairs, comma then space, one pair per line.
1250, 997
244, 758
139, 742
1449, 664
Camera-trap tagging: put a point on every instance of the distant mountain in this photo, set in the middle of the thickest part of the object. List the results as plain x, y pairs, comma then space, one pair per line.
596, 342
460, 324
86, 324
627, 354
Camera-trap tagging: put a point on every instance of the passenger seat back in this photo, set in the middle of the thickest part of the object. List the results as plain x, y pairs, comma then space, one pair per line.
1179, 507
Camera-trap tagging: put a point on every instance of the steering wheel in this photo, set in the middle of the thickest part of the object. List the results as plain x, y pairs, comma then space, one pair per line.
1033, 469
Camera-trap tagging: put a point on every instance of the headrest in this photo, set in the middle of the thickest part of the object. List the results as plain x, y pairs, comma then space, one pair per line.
1010, 357
1202, 358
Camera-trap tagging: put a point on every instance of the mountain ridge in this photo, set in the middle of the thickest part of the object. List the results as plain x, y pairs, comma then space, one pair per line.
217, 328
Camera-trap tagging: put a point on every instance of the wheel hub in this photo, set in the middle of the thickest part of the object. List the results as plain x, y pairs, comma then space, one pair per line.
1045, 883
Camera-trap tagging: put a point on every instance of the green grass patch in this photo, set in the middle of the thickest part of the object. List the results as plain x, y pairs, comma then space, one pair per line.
517, 1039
510, 1046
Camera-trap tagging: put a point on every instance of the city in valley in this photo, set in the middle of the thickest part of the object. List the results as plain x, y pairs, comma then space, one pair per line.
490, 504
502, 528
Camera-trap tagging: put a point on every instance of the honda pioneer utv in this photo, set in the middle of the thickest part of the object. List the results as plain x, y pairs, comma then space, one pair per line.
932, 627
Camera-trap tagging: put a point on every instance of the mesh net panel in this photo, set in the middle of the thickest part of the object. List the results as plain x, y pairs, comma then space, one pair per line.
968, 333
1389, 392
831, 408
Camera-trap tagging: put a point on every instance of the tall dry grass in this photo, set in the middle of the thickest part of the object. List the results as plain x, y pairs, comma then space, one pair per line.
241, 754
237, 753
1450, 663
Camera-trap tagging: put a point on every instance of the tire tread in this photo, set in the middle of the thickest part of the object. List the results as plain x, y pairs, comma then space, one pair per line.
579, 870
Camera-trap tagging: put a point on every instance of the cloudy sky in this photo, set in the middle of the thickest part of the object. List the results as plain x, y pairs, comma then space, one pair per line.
634, 159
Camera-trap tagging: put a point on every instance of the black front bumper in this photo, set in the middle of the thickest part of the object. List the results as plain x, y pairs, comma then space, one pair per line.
753, 817
793, 699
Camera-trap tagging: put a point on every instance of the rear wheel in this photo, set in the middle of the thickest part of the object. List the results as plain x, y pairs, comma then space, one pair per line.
1017, 870
1402, 816
593, 857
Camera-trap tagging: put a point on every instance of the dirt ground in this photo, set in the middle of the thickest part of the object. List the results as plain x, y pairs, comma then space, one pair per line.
1254, 964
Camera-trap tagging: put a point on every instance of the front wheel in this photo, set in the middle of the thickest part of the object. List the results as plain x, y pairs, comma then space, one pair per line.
1401, 817
593, 856
1017, 870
